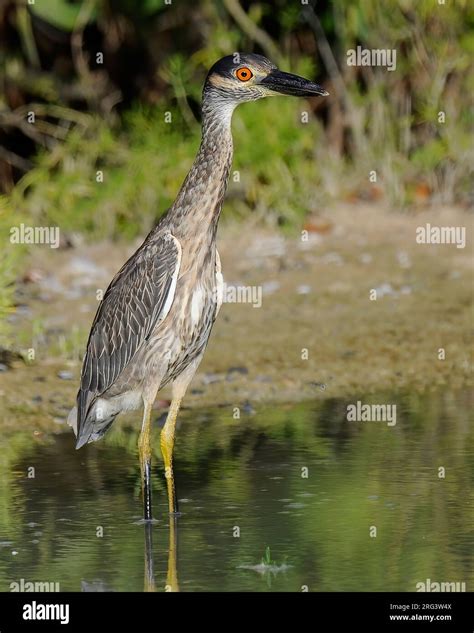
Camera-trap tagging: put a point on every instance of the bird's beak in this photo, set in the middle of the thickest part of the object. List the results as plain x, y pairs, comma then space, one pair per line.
288, 84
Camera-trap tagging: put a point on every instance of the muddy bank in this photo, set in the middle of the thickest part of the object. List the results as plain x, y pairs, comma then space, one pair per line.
317, 333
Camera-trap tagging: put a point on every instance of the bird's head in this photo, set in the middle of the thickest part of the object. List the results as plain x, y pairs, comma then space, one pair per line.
244, 77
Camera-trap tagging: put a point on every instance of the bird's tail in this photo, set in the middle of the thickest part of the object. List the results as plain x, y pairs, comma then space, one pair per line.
72, 420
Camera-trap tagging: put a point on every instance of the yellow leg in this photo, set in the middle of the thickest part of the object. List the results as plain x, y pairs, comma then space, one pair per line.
167, 443
144, 451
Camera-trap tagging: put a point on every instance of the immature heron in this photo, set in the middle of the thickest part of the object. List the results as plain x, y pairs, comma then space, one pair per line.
155, 319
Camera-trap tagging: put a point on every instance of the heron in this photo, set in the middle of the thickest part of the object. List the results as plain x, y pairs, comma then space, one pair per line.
155, 319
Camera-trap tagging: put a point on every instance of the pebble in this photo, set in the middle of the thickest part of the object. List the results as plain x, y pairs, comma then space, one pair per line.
209, 379
23, 310
303, 290
65, 375
273, 246
269, 287
82, 267
33, 276
318, 385
263, 378
384, 289
403, 259
332, 258
238, 370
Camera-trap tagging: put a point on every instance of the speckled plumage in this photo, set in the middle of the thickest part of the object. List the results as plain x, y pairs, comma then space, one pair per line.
155, 319
133, 346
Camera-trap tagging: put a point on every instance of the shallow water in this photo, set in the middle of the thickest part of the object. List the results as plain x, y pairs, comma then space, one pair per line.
244, 497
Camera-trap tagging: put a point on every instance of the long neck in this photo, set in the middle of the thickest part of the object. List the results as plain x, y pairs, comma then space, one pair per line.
199, 202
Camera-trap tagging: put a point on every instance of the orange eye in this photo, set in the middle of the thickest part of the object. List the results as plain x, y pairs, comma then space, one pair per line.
244, 74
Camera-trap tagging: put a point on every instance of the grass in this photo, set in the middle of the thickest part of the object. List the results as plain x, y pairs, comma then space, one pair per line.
273, 175
10, 256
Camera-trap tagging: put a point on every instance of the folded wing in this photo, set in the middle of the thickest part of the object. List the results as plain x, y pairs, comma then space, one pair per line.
138, 298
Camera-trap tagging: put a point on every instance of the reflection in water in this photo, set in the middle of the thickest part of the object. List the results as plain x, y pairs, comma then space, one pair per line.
149, 582
172, 572
172, 575
76, 522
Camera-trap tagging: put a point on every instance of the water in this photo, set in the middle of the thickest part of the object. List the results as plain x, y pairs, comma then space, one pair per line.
244, 496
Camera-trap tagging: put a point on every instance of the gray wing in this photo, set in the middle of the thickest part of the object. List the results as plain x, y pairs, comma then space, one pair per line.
137, 300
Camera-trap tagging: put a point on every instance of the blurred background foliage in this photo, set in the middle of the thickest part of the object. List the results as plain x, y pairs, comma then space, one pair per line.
100, 77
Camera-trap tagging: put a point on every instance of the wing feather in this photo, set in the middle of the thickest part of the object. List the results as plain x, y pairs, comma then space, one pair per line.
136, 300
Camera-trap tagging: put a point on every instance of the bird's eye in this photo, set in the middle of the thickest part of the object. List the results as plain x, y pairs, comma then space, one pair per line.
244, 74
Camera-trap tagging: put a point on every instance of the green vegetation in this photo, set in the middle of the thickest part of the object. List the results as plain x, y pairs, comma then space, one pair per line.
375, 119
109, 116
267, 559
9, 261
144, 166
